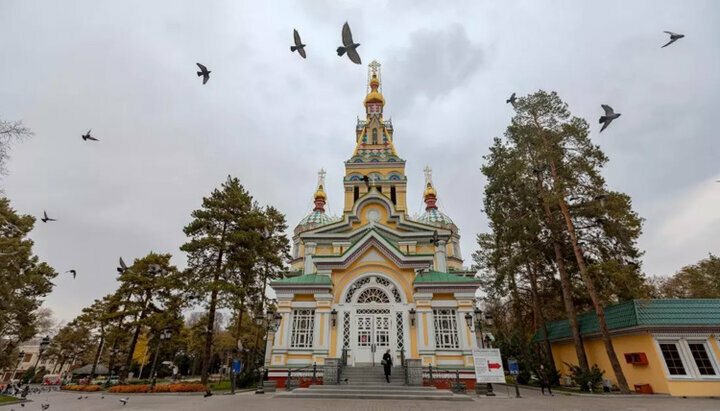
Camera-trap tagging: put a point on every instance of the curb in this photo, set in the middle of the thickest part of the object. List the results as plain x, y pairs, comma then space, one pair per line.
14, 402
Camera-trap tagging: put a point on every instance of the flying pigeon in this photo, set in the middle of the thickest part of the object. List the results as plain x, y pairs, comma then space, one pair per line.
87, 136
299, 46
124, 400
73, 272
435, 238
349, 46
45, 218
609, 116
204, 73
601, 199
511, 100
673, 38
122, 267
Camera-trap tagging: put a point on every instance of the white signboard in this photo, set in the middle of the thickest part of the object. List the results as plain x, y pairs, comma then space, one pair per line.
488, 365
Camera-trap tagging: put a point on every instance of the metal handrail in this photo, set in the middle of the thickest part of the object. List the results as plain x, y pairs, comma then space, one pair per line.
404, 364
290, 371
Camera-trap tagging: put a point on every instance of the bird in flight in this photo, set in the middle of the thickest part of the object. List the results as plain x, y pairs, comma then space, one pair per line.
73, 272
511, 100
122, 267
349, 46
673, 38
299, 46
609, 116
45, 218
204, 73
87, 136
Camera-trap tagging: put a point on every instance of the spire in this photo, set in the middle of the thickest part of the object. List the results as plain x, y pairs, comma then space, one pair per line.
320, 196
430, 195
374, 101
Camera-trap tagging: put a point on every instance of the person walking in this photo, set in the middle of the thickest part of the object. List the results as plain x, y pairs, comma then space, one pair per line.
387, 364
544, 380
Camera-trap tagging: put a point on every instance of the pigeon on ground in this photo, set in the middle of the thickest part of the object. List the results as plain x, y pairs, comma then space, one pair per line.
122, 267
124, 400
45, 218
208, 393
511, 100
299, 46
349, 46
609, 116
204, 73
44, 406
87, 136
673, 38
73, 272
80, 397
86, 397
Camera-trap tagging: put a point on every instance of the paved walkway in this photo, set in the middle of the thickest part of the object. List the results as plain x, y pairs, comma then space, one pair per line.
532, 400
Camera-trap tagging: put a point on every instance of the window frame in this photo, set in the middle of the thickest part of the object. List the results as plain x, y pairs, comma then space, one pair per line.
688, 360
298, 314
439, 331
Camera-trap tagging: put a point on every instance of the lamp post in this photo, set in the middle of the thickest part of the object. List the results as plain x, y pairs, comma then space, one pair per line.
271, 318
43, 346
165, 334
333, 318
21, 355
413, 316
479, 327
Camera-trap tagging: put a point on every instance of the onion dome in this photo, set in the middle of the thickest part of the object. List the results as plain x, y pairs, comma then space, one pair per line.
374, 96
432, 215
318, 216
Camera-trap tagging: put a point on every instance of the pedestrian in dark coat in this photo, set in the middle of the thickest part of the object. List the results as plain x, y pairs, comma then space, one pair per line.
544, 380
387, 364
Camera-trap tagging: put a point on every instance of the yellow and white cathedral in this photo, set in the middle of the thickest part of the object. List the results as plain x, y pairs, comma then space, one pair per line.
374, 278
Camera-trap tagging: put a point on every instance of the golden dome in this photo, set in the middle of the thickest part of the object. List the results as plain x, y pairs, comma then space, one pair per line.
429, 191
374, 95
320, 194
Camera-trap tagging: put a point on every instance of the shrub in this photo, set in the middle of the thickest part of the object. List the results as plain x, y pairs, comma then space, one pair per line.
179, 387
523, 377
129, 388
586, 379
86, 388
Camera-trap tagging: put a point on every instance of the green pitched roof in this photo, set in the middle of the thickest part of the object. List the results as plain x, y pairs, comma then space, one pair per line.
304, 279
676, 312
438, 277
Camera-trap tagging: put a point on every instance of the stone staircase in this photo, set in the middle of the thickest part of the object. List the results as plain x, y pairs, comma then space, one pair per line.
368, 383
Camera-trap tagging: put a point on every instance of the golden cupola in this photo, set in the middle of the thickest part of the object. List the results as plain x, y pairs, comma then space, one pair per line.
374, 96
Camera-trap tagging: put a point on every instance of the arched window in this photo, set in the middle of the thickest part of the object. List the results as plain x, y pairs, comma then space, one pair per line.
373, 295
374, 136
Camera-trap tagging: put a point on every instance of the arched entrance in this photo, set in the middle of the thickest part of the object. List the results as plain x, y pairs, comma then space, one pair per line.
374, 312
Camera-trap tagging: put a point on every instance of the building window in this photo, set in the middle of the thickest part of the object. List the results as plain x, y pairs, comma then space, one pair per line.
373, 295
356, 193
701, 357
446, 335
374, 136
393, 197
674, 362
302, 331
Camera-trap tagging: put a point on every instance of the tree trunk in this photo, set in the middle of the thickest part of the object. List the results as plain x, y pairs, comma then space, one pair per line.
540, 317
211, 312
565, 285
97, 356
136, 335
599, 311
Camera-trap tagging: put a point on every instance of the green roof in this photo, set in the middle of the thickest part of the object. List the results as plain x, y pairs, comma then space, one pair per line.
661, 312
438, 277
304, 279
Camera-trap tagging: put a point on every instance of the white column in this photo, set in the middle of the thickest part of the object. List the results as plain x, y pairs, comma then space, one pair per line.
309, 252
441, 256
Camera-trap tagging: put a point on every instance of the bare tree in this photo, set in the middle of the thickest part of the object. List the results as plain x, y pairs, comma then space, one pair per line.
10, 132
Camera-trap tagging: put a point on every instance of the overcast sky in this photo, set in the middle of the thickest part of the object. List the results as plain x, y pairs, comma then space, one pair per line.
127, 70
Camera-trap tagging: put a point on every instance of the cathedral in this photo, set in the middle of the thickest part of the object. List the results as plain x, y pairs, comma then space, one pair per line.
375, 278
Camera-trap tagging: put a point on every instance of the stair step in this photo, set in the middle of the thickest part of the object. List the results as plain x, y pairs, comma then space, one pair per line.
375, 391
374, 396
386, 387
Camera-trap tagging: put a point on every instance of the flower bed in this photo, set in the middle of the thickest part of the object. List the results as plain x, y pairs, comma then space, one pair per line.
179, 387
77, 387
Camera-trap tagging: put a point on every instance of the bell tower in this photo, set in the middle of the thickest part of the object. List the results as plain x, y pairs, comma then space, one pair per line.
375, 165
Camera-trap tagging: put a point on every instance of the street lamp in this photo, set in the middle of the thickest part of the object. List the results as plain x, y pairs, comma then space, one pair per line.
43, 346
271, 319
333, 317
21, 355
165, 334
469, 320
413, 315
479, 328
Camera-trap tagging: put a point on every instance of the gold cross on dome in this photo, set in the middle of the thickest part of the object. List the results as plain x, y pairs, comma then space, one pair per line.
321, 177
428, 174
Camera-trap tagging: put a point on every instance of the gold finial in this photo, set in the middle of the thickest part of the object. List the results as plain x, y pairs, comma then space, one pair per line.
429, 190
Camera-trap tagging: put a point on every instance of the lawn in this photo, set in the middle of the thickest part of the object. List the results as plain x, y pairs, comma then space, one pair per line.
5, 398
